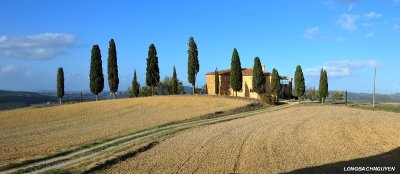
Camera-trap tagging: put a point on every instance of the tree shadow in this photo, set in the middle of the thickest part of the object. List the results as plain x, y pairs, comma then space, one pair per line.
388, 159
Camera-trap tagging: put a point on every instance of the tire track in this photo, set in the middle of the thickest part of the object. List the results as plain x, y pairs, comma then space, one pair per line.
272, 142
125, 141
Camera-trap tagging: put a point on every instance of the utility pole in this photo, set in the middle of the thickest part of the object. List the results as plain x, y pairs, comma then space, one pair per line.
373, 97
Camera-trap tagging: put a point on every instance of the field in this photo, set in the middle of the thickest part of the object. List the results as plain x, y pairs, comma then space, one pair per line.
33, 132
299, 139
393, 107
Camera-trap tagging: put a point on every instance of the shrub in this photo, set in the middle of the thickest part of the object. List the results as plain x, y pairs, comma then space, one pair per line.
267, 99
337, 97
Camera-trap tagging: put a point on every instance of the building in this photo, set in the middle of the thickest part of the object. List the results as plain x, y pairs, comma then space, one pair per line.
247, 88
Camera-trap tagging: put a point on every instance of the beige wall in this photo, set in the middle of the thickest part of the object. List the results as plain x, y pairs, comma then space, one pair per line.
246, 88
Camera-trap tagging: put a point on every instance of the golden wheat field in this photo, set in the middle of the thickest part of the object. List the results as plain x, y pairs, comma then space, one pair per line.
300, 139
25, 133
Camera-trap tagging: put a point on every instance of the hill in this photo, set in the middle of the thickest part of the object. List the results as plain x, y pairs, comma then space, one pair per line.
302, 139
16, 99
367, 98
54, 129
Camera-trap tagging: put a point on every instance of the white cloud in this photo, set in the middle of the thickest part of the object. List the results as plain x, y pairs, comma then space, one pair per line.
372, 15
7, 68
370, 34
348, 22
37, 47
338, 69
311, 32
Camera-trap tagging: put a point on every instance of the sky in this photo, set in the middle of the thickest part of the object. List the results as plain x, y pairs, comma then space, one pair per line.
349, 38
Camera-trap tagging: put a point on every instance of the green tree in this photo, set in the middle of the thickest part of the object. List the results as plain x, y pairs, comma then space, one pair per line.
135, 86
113, 79
96, 72
152, 70
275, 84
236, 72
323, 86
193, 63
146, 91
216, 80
337, 97
312, 94
258, 77
300, 86
174, 82
167, 84
60, 84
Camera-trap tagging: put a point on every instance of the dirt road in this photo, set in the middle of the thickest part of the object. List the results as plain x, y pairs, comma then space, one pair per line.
300, 139
32, 133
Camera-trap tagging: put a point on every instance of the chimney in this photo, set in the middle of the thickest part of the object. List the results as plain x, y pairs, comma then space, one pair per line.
263, 68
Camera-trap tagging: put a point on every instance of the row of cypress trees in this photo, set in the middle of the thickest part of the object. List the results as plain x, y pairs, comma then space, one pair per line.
152, 71
236, 77
300, 87
259, 80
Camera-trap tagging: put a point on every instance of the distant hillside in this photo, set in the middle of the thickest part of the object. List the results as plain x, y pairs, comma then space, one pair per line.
367, 98
16, 99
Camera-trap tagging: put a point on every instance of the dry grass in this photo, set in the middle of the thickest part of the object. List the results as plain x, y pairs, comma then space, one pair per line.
276, 142
25, 133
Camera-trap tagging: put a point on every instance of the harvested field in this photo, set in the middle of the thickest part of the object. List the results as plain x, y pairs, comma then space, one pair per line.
300, 139
25, 133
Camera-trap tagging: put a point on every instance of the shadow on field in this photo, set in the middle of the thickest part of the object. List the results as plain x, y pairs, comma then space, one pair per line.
388, 159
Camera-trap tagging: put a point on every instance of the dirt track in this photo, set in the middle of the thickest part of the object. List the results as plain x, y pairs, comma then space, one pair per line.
288, 140
29, 133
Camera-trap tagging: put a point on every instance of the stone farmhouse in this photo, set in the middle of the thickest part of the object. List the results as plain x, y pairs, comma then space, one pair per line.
247, 88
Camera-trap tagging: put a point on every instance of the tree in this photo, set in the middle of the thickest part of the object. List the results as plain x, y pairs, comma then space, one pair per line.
300, 86
96, 72
60, 84
337, 96
135, 86
216, 80
152, 70
236, 72
258, 77
174, 82
113, 79
193, 63
311, 94
146, 91
323, 85
167, 84
275, 84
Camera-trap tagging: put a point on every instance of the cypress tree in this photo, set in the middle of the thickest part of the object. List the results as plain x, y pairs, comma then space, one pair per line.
174, 82
60, 84
323, 85
135, 86
96, 72
258, 77
236, 72
300, 86
113, 79
216, 75
193, 63
152, 70
275, 84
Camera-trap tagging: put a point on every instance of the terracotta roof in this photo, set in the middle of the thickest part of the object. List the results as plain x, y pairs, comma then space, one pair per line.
245, 72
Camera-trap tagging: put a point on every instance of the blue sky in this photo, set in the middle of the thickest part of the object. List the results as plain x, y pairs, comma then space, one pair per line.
347, 37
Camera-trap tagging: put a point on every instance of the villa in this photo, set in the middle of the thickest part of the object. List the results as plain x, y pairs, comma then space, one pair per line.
247, 88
